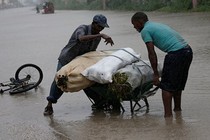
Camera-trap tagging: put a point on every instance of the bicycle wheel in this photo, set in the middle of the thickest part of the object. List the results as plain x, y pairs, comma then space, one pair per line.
30, 71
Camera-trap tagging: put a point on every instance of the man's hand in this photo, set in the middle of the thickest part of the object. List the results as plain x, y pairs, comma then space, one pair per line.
107, 39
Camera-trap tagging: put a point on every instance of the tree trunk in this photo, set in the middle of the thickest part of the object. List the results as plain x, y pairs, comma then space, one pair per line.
194, 3
104, 4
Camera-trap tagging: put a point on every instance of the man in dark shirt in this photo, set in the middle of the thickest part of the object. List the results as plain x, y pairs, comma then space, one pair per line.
84, 39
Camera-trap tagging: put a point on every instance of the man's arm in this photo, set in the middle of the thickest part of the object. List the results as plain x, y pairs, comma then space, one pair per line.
154, 62
107, 38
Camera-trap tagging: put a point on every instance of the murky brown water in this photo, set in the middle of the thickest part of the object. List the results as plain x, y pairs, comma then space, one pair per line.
27, 37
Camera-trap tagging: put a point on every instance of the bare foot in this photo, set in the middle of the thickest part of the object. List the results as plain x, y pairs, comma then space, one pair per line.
168, 115
177, 109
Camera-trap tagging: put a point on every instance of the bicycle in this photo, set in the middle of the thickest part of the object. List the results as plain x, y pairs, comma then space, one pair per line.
27, 77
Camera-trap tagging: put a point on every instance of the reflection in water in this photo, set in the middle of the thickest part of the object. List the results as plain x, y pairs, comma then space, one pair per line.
105, 126
57, 128
178, 117
177, 127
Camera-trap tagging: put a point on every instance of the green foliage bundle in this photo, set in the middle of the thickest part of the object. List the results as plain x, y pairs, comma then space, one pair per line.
120, 86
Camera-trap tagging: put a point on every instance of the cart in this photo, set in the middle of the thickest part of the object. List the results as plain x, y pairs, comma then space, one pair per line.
48, 8
112, 102
131, 80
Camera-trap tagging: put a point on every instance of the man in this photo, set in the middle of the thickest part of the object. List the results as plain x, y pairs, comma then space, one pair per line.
84, 39
176, 63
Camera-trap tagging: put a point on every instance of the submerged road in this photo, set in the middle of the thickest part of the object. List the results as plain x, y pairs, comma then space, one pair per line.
27, 37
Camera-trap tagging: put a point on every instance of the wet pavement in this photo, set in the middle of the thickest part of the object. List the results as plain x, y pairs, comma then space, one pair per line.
27, 37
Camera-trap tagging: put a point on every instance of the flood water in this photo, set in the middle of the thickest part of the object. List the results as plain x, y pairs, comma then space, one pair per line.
27, 37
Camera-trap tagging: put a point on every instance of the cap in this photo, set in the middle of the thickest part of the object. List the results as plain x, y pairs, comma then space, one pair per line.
101, 20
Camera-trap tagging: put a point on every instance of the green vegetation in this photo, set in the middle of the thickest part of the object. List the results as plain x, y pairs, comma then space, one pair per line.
148, 5
143, 5
186, 5
120, 87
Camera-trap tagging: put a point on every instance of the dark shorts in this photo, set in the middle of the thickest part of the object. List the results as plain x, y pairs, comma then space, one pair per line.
175, 69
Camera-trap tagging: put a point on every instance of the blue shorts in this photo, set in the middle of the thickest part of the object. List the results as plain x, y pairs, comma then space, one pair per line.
175, 69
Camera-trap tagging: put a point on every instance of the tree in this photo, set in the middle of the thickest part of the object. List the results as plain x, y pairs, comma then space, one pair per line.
104, 4
194, 3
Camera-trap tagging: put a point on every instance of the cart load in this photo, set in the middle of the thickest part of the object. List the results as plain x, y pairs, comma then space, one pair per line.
128, 78
69, 77
116, 68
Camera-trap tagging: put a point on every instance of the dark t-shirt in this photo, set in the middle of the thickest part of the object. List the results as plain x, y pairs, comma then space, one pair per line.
75, 48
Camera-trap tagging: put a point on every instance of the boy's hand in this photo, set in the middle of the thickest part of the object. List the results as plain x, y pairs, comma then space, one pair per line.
156, 80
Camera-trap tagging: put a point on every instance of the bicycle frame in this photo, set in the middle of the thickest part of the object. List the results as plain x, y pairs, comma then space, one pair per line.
13, 83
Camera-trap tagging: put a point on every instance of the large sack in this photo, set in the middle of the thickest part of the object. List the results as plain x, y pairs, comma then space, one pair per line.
69, 78
126, 79
102, 71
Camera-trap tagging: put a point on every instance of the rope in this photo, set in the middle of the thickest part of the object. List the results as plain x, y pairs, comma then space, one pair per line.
114, 55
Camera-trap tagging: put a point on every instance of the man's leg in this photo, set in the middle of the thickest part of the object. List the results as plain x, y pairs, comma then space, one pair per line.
55, 94
167, 102
177, 101
101, 98
97, 99
98, 93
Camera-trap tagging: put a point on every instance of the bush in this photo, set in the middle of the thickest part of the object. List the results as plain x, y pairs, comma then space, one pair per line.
181, 5
142, 5
95, 5
69, 5
127, 5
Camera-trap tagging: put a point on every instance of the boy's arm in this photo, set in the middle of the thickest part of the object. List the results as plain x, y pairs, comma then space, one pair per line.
154, 61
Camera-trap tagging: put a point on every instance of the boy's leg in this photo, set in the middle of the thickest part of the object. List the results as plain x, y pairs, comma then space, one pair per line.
167, 103
177, 100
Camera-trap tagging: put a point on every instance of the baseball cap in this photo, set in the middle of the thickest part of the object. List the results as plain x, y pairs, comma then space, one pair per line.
101, 20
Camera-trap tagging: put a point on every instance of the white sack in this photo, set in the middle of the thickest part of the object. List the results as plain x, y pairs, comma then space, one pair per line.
102, 71
139, 73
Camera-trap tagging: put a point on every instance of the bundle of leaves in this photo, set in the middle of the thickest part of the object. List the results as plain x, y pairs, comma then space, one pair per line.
62, 81
120, 86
